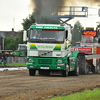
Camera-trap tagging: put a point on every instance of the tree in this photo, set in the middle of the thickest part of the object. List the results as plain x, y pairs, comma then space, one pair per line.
9, 43
77, 31
12, 44
28, 21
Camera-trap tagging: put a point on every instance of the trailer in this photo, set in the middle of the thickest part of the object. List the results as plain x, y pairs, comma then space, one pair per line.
89, 51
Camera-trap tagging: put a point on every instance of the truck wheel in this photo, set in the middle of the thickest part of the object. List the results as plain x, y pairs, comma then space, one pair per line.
84, 67
76, 72
65, 73
32, 72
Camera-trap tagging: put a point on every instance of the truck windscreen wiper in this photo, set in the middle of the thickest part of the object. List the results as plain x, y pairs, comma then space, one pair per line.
51, 40
36, 40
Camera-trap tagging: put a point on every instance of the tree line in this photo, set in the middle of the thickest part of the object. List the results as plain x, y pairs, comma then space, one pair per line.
12, 44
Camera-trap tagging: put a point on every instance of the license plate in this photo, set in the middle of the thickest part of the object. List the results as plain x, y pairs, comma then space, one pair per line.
44, 67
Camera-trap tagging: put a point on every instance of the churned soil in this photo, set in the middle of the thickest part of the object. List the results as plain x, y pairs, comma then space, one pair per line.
18, 85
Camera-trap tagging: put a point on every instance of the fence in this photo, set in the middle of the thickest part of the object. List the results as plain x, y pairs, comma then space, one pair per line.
20, 60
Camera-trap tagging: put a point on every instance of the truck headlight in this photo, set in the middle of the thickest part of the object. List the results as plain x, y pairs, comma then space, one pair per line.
30, 60
59, 61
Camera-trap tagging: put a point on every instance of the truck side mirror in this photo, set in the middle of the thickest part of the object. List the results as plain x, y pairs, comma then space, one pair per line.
66, 34
24, 35
98, 40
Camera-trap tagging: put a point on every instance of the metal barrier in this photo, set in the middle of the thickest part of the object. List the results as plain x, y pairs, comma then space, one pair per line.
19, 60
69, 11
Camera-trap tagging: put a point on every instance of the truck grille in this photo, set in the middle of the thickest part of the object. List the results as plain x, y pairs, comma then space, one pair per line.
45, 61
45, 53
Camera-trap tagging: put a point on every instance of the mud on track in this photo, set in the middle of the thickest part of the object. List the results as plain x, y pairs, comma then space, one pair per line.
18, 85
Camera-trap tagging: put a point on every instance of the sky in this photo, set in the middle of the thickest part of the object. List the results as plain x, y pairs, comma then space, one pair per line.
12, 13
90, 21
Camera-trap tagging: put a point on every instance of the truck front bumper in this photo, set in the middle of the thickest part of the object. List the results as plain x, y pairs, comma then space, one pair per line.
46, 63
47, 67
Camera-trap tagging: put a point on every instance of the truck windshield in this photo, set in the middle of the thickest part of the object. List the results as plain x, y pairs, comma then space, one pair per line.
21, 47
87, 39
46, 36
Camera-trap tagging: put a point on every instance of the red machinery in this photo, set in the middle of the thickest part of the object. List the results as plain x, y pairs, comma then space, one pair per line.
89, 51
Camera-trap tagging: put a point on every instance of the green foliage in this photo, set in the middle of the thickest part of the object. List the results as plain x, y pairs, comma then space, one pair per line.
87, 95
12, 44
77, 32
28, 21
9, 43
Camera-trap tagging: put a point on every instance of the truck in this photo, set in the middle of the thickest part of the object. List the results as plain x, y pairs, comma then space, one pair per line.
48, 50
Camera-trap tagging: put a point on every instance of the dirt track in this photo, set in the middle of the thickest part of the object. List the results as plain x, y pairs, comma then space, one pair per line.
18, 85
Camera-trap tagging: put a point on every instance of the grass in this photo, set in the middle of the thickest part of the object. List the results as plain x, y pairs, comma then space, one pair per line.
87, 95
14, 64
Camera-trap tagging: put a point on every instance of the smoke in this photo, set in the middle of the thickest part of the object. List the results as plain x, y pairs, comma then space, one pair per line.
89, 2
45, 7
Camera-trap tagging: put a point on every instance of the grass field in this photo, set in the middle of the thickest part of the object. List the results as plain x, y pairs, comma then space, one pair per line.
86, 95
14, 64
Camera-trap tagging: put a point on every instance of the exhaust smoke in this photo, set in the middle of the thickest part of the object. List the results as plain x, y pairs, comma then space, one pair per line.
44, 7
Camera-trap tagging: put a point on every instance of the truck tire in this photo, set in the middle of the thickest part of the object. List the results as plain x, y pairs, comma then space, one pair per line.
65, 73
76, 72
32, 72
84, 68
83, 65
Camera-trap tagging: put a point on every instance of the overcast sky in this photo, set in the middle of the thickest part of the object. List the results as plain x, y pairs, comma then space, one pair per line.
12, 13
89, 21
